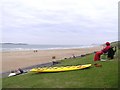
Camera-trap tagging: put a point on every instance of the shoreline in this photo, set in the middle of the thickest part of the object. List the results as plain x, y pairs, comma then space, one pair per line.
57, 48
21, 59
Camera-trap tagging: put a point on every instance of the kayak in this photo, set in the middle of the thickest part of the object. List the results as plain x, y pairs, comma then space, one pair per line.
60, 69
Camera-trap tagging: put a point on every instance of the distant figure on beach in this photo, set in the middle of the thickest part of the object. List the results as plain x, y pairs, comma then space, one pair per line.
53, 57
104, 50
54, 62
73, 56
35, 50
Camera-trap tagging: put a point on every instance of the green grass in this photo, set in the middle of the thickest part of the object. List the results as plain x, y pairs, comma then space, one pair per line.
0, 83
94, 77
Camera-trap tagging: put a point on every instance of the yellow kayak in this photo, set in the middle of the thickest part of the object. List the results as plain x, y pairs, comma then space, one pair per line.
60, 69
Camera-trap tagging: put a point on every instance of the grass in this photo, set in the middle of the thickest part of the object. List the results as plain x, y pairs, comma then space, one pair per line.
0, 83
94, 77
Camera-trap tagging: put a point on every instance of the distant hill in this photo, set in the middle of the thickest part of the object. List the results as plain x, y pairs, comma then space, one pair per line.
15, 43
115, 43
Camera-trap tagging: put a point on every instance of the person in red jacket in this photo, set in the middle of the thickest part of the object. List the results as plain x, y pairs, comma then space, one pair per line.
99, 53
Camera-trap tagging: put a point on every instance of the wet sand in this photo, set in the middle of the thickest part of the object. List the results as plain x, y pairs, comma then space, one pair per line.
21, 59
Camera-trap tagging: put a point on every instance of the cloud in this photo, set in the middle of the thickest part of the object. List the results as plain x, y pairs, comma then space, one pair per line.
55, 21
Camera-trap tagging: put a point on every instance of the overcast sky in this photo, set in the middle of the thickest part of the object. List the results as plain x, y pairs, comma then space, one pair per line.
59, 21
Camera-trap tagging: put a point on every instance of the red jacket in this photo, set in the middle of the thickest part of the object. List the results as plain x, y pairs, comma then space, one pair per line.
106, 49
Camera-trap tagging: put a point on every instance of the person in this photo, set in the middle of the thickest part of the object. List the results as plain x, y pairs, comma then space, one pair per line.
21, 71
104, 50
73, 56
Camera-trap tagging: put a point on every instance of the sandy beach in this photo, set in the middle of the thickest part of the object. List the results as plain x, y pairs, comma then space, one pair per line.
22, 59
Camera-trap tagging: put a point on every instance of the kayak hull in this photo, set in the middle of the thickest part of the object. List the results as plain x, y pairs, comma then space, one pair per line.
60, 69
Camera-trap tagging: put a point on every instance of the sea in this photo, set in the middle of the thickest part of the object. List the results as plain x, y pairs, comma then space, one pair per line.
24, 47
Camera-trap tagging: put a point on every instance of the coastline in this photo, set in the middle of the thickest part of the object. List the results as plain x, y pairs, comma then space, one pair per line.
21, 59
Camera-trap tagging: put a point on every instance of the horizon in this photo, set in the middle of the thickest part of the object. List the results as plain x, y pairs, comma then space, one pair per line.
53, 44
45, 44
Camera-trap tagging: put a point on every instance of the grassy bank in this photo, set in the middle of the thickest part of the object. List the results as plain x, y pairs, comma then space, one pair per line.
94, 77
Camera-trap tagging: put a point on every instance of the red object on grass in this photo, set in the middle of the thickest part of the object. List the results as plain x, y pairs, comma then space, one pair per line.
99, 53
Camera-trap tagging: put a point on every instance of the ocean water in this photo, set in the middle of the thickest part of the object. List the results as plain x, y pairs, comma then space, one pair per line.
22, 47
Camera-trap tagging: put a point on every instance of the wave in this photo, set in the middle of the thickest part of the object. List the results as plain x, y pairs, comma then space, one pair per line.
10, 47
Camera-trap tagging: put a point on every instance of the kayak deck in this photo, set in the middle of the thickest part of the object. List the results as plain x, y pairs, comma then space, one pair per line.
60, 69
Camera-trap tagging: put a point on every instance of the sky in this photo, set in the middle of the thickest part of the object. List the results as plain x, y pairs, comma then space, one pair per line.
60, 22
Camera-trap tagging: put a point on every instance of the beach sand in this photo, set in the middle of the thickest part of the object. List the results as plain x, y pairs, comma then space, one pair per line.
21, 59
